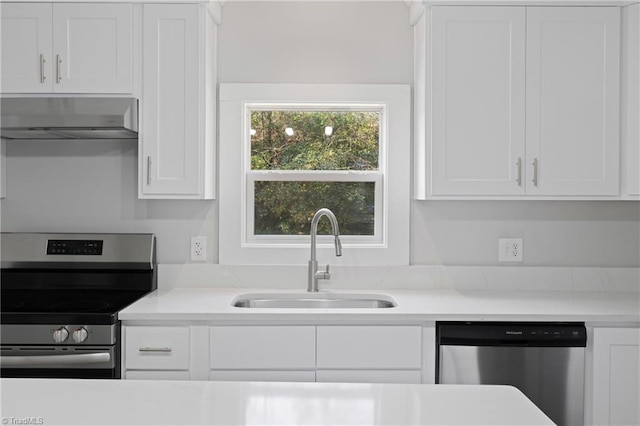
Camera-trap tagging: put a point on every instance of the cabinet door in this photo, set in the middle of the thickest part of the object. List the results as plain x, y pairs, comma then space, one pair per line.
616, 377
573, 118
92, 48
25, 33
262, 348
171, 127
478, 100
369, 347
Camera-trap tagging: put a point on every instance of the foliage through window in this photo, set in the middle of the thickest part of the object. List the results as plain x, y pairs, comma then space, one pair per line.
319, 140
305, 157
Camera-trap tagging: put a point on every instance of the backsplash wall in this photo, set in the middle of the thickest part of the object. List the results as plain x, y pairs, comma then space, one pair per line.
72, 186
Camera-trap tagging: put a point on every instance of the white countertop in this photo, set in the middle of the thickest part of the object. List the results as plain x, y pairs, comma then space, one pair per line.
201, 304
119, 402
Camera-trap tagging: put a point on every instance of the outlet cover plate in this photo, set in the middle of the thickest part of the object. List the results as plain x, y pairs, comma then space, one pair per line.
510, 250
199, 248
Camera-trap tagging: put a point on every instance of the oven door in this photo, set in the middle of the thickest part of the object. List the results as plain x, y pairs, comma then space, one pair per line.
86, 362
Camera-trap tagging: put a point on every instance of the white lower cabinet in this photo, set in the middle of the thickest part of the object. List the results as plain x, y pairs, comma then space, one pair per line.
369, 354
291, 353
616, 376
160, 353
263, 353
369, 347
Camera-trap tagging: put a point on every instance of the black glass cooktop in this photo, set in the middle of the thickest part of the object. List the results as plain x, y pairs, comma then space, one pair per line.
65, 306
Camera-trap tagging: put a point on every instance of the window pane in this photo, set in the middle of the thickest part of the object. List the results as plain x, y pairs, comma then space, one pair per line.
286, 208
314, 140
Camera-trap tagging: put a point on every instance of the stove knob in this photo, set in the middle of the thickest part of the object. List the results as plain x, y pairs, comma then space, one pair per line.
80, 335
60, 335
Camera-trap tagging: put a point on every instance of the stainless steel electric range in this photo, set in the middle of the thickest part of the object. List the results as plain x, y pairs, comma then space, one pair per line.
60, 296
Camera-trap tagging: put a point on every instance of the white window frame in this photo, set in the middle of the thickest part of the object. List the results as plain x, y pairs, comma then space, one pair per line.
250, 176
390, 243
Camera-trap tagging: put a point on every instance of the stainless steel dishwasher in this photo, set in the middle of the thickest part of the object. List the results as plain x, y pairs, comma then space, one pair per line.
544, 360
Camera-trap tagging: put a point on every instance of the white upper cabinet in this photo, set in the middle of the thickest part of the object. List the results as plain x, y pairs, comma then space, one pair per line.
631, 103
92, 44
178, 102
67, 48
478, 65
26, 31
519, 102
573, 100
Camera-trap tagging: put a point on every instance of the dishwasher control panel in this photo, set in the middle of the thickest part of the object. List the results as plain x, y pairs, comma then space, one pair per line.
512, 333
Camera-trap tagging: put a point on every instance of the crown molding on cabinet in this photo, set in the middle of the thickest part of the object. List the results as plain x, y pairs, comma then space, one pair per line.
214, 10
417, 7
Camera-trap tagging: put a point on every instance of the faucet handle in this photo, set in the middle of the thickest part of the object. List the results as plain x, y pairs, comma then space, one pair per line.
323, 275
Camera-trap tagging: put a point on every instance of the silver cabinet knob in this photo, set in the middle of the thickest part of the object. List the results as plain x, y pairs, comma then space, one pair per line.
80, 335
60, 335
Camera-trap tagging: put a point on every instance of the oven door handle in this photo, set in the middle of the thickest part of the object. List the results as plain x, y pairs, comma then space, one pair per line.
7, 361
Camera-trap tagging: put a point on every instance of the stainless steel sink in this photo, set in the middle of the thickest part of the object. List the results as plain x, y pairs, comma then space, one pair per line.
314, 301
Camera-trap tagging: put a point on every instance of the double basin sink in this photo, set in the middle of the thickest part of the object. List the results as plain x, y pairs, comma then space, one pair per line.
314, 301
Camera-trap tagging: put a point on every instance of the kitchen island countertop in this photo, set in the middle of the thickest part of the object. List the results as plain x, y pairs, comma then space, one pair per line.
132, 402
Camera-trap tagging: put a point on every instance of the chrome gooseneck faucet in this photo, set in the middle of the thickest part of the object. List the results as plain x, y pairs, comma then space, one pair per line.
314, 273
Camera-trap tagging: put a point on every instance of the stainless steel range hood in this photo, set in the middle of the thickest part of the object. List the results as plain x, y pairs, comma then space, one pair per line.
69, 118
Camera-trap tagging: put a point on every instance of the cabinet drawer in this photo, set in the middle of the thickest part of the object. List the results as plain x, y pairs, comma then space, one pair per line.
157, 348
362, 347
278, 347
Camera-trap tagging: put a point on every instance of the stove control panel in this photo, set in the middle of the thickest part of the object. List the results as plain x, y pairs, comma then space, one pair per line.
59, 334
75, 247
79, 335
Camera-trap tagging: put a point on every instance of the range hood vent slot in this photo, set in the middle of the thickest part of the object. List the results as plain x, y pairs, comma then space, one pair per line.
69, 118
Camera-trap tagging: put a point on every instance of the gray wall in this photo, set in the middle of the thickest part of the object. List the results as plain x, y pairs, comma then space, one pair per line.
82, 187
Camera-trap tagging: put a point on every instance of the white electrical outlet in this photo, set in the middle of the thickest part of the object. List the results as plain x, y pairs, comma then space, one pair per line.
199, 248
510, 250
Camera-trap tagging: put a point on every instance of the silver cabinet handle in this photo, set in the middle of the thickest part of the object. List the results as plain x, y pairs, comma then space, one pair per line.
58, 74
42, 61
55, 359
535, 172
148, 170
519, 176
148, 349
